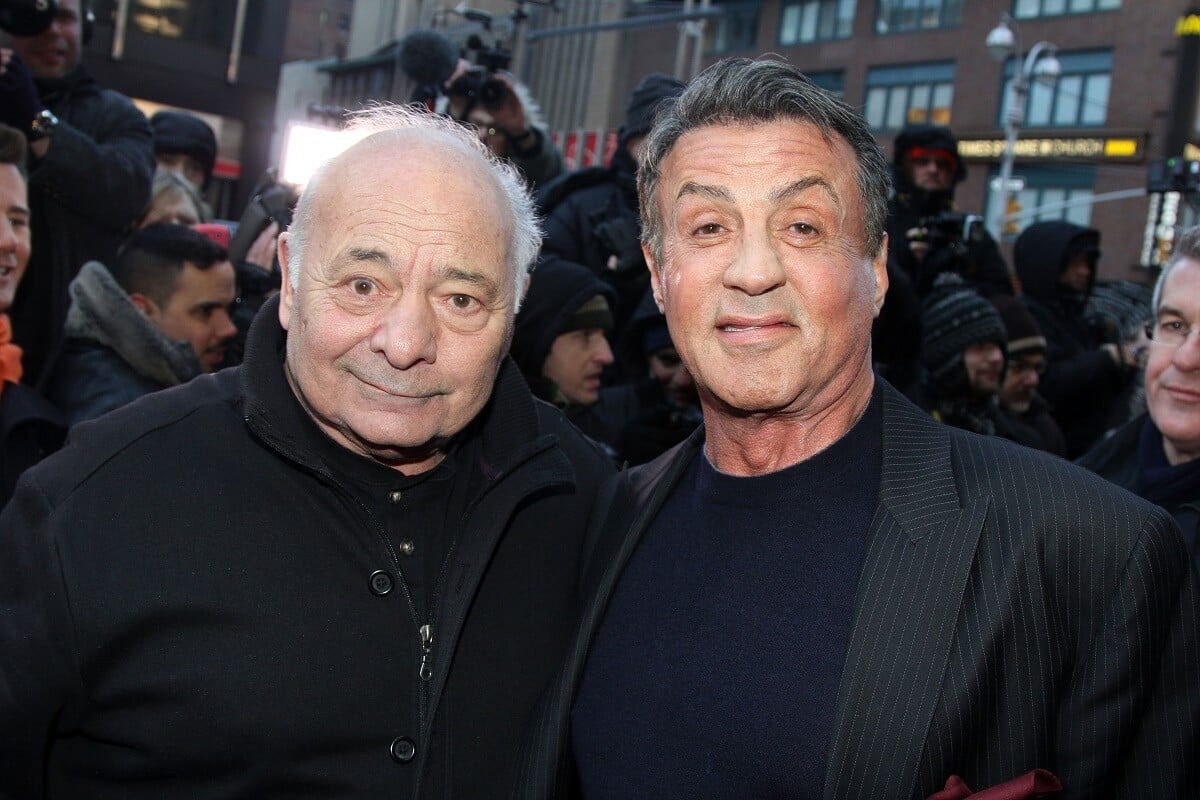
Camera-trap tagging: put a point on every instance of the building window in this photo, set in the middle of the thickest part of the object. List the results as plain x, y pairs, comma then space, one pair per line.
902, 16
735, 29
1029, 9
805, 21
1079, 98
832, 81
1052, 193
909, 95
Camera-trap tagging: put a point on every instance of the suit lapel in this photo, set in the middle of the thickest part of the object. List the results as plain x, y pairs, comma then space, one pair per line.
919, 553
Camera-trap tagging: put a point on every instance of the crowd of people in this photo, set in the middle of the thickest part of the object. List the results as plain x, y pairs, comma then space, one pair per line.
382, 535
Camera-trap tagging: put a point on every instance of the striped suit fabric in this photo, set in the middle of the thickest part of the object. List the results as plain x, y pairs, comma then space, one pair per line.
1013, 612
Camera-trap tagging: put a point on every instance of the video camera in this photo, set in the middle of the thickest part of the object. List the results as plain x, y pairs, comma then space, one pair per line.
951, 228
26, 17
478, 84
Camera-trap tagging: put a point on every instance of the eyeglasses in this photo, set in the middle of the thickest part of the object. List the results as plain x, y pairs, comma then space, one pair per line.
1168, 331
1026, 367
944, 164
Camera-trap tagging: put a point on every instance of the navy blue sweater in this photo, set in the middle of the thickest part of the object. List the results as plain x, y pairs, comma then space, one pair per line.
715, 671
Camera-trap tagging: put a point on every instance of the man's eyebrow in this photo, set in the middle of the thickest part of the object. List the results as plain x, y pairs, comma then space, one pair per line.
802, 185
472, 277
1166, 310
368, 254
18, 209
705, 190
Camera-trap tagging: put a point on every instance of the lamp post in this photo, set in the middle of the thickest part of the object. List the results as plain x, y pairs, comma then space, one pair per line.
1039, 64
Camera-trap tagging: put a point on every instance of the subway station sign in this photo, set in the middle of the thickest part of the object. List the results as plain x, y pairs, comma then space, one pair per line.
1122, 147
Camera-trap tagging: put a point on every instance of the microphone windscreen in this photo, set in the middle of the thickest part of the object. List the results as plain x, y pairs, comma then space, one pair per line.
428, 57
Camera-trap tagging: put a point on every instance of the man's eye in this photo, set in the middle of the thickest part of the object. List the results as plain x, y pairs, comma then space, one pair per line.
1171, 325
362, 286
462, 302
708, 229
803, 228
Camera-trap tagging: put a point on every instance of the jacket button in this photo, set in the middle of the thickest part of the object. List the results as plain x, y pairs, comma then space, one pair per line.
403, 749
395, 496
381, 583
407, 547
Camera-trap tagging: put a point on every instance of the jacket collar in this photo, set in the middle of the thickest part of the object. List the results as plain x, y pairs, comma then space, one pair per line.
101, 312
508, 427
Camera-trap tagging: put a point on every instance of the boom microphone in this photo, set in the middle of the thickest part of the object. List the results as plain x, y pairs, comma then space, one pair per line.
428, 57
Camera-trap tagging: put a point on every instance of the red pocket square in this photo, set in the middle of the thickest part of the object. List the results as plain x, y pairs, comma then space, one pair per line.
1035, 783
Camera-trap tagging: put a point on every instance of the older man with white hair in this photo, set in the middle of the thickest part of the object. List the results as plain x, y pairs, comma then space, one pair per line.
346, 568
1157, 455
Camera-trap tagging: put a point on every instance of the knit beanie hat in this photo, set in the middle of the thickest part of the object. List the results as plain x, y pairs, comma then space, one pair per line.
1024, 336
953, 318
180, 132
929, 137
644, 103
563, 296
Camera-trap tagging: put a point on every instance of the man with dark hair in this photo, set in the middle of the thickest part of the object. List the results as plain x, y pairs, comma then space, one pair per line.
159, 318
30, 428
90, 168
1027, 411
348, 567
824, 592
186, 145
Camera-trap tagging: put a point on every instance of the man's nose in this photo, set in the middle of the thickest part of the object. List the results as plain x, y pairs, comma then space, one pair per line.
406, 332
601, 352
1187, 354
755, 268
225, 327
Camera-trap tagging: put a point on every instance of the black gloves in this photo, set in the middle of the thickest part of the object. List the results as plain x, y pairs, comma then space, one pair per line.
19, 102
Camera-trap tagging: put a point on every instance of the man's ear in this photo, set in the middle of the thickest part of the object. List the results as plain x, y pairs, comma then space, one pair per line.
145, 305
879, 268
286, 295
655, 279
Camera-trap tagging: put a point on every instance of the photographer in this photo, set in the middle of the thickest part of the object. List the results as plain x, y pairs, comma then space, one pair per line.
926, 235
506, 118
91, 163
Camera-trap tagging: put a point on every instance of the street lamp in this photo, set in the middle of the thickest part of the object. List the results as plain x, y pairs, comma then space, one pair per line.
1039, 64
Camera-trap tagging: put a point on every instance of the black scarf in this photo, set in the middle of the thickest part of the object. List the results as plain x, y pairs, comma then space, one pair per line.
1159, 481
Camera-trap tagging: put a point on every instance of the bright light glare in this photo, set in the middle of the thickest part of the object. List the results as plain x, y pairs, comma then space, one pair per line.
306, 147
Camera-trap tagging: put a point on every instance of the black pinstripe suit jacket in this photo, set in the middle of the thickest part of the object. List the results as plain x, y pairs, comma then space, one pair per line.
1013, 612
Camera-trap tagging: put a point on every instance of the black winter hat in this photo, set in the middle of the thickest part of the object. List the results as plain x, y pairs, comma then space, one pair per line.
953, 318
1024, 335
561, 298
643, 106
931, 137
180, 132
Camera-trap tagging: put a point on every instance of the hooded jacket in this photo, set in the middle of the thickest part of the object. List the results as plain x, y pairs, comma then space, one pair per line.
981, 265
206, 610
1082, 381
113, 354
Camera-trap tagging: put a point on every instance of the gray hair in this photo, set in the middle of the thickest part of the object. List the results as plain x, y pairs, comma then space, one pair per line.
525, 233
1187, 248
739, 91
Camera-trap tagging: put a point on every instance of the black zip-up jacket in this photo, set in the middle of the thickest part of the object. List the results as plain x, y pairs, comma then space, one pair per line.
195, 605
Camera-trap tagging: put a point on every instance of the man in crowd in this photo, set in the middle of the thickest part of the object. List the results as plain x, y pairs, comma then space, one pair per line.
962, 352
159, 318
1157, 455
1027, 412
90, 167
1086, 369
30, 428
560, 344
186, 145
346, 568
826, 593
926, 234
592, 215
